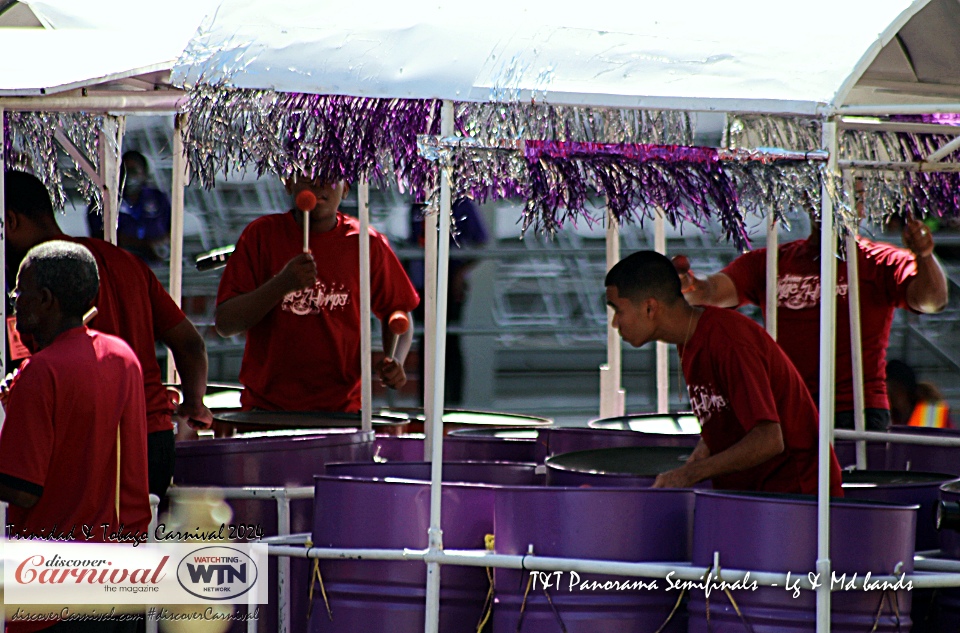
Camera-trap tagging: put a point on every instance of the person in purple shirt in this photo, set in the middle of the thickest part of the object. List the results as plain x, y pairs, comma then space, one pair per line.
143, 224
470, 231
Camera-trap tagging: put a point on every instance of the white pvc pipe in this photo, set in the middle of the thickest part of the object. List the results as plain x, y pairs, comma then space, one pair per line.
283, 568
179, 181
111, 139
429, 301
366, 340
897, 438
878, 125
3, 278
899, 165
612, 395
856, 347
944, 151
139, 102
663, 351
435, 422
773, 289
828, 305
906, 108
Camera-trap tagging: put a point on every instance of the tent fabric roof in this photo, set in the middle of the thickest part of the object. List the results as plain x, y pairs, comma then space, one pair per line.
737, 55
90, 42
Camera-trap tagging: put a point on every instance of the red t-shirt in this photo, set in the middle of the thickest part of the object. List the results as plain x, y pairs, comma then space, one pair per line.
304, 355
885, 271
736, 378
133, 305
59, 439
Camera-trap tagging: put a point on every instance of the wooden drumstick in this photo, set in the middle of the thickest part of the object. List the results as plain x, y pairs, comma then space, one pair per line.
399, 323
306, 201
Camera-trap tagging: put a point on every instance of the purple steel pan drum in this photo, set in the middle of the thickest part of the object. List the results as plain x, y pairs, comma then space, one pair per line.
846, 451
678, 423
906, 487
936, 459
376, 595
247, 421
628, 466
948, 524
502, 445
635, 430
778, 533
456, 419
618, 524
494, 473
273, 458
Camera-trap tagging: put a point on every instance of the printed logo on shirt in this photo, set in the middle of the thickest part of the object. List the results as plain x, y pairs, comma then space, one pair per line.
705, 400
315, 300
797, 292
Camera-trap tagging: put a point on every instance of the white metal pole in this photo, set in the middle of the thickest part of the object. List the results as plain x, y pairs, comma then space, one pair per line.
435, 534
283, 566
429, 326
663, 358
366, 342
828, 306
612, 395
906, 108
856, 347
111, 139
3, 247
178, 182
773, 289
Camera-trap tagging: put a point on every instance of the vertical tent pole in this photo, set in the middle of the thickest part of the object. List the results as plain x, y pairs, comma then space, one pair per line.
429, 301
3, 273
366, 343
856, 347
612, 395
772, 272
179, 180
435, 421
111, 140
828, 309
663, 358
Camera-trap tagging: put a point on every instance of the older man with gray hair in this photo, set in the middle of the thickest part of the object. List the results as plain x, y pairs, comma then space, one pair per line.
73, 448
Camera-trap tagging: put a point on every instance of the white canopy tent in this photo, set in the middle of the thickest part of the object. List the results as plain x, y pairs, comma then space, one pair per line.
738, 56
825, 58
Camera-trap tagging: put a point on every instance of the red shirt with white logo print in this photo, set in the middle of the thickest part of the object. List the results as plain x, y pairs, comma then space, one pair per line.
304, 355
737, 377
885, 272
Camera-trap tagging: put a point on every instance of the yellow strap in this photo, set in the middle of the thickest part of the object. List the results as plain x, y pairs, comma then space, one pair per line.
316, 577
117, 497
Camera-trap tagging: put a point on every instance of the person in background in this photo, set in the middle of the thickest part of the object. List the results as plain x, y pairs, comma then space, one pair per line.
915, 403
143, 223
132, 305
301, 311
890, 278
471, 232
759, 425
73, 447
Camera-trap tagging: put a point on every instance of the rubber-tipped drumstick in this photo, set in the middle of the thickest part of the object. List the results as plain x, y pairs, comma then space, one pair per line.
399, 323
306, 201
89, 314
682, 264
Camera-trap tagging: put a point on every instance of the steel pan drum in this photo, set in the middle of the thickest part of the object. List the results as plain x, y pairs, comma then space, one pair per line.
937, 459
273, 420
456, 419
493, 473
901, 487
632, 466
681, 423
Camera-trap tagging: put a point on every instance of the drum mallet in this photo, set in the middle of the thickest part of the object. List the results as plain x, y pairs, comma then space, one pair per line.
306, 201
399, 323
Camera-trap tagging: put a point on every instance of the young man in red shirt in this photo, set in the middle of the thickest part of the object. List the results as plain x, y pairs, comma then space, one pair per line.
131, 304
890, 278
759, 423
73, 448
301, 311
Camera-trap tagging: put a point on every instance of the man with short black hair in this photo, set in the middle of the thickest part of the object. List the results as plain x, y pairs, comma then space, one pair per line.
759, 423
132, 305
